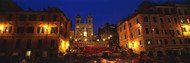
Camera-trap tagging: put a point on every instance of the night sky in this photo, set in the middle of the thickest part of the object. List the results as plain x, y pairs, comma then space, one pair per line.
103, 11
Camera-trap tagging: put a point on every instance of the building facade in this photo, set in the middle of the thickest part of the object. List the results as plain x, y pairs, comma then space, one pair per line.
83, 35
108, 32
83, 30
156, 29
33, 34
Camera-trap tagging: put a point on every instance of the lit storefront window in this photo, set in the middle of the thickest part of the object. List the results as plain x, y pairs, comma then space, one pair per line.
28, 53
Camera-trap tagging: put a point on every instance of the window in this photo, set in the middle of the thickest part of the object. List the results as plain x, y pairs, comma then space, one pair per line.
137, 20
22, 18
178, 33
125, 36
131, 35
147, 31
90, 21
157, 42
30, 29
181, 20
61, 30
20, 29
40, 30
126, 46
166, 41
140, 42
161, 41
65, 34
165, 31
175, 20
154, 19
28, 43
169, 21
77, 21
145, 19
187, 20
159, 10
18, 44
54, 30
65, 24
28, 53
52, 43
166, 10
148, 41
179, 11
161, 20
157, 31
54, 18
42, 17
32, 18
187, 41
10, 17
4, 44
121, 37
39, 43
173, 11
130, 25
180, 41
172, 32
174, 41
139, 33
7, 30
124, 27
185, 11
120, 29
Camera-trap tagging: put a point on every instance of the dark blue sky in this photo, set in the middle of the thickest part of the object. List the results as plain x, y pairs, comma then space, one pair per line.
103, 11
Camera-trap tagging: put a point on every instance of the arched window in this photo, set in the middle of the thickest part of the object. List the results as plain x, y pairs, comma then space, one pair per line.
89, 21
78, 22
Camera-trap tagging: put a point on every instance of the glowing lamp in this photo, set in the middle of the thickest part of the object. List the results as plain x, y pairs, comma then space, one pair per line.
85, 39
110, 35
98, 40
75, 39
85, 34
104, 39
45, 26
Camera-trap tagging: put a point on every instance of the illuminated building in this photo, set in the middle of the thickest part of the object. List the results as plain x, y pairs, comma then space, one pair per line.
84, 30
156, 29
33, 34
83, 33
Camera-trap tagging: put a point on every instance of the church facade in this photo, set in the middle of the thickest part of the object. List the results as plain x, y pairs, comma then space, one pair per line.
83, 33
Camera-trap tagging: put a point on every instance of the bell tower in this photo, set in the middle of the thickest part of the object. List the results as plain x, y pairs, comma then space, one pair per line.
78, 19
89, 19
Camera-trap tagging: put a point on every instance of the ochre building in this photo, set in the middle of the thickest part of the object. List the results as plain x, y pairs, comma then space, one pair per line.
33, 34
157, 29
